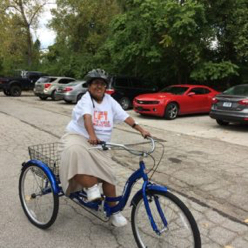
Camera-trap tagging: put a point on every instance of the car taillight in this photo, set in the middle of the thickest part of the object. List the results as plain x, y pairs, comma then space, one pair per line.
47, 86
214, 100
110, 91
243, 102
67, 89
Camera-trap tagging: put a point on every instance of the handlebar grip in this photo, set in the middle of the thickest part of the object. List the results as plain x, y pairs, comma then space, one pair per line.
101, 143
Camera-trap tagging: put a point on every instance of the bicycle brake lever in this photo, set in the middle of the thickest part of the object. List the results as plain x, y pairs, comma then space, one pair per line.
103, 144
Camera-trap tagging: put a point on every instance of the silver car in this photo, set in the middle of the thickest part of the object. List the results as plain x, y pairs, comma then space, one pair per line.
72, 92
46, 86
231, 105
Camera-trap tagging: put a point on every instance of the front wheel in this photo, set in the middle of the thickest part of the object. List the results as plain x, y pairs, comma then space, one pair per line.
37, 196
171, 111
179, 228
125, 103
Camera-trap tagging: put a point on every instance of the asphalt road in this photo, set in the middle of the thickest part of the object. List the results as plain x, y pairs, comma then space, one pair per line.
206, 165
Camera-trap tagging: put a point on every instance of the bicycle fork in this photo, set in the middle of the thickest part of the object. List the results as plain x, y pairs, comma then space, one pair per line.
150, 186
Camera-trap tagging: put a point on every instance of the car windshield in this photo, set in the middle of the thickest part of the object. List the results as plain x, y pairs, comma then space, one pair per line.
44, 80
175, 90
239, 90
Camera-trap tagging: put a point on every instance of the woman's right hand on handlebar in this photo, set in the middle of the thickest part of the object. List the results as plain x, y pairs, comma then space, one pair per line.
93, 140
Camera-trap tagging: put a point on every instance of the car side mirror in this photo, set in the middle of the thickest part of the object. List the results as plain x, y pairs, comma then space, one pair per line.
191, 94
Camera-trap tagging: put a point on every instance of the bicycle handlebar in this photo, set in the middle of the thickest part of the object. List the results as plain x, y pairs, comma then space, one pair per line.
108, 145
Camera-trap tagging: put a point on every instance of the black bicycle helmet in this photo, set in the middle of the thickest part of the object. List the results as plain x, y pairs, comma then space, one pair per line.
96, 74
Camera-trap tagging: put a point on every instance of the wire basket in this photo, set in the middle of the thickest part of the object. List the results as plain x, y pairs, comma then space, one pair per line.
48, 154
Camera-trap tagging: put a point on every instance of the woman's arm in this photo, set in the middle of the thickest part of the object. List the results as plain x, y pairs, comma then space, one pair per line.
131, 122
93, 140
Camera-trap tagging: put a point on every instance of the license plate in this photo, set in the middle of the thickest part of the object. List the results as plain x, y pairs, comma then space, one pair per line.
227, 104
139, 108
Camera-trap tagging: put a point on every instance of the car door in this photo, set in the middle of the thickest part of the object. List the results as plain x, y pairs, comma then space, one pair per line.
197, 100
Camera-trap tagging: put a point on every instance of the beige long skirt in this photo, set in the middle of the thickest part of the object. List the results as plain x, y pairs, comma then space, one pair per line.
77, 158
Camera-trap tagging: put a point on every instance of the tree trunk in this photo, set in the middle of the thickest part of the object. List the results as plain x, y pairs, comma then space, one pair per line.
30, 44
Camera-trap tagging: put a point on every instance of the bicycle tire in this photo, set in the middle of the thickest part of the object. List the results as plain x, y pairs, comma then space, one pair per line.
38, 200
182, 230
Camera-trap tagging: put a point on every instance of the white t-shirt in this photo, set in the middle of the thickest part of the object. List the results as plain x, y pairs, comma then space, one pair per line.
104, 115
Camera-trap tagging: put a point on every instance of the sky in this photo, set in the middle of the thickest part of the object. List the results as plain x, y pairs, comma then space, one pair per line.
45, 35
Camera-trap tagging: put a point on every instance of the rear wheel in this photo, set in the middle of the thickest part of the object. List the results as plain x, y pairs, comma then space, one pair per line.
222, 123
179, 228
79, 96
171, 111
125, 103
15, 90
53, 96
37, 196
6, 92
43, 98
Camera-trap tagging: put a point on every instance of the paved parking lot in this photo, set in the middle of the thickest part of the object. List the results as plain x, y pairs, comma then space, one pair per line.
209, 173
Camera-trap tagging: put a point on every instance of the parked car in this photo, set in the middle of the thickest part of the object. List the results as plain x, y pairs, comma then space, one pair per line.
176, 100
72, 92
46, 86
231, 105
123, 89
22, 81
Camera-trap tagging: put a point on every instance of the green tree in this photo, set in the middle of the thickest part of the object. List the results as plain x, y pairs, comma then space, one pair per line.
12, 45
24, 13
81, 27
156, 39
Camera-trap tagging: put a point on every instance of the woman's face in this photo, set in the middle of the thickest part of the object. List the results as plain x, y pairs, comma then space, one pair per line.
97, 88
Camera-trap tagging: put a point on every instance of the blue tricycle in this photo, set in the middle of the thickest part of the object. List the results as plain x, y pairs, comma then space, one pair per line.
158, 218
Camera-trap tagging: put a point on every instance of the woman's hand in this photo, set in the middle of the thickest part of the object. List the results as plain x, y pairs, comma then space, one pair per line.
145, 133
93, 140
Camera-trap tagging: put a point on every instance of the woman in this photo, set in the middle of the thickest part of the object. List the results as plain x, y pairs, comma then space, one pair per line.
92, 121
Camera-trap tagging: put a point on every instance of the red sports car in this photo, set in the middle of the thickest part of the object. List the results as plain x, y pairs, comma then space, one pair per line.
176, 100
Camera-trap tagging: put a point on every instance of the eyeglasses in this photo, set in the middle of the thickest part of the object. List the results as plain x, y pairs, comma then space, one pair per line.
99, 84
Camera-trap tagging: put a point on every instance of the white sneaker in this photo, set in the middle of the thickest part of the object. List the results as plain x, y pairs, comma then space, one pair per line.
118, 220
93, 193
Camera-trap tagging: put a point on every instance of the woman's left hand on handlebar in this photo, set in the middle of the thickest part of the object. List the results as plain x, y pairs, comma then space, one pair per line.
145, 133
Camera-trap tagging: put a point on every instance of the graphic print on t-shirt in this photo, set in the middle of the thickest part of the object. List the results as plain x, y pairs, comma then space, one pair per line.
100, 119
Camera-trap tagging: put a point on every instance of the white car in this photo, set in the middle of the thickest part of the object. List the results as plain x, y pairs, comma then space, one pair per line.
46, 86
72, 92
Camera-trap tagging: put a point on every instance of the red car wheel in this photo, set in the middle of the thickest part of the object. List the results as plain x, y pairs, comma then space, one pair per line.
171, 111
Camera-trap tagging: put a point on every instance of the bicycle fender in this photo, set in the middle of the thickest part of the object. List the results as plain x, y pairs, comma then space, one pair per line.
149, 187
48, 172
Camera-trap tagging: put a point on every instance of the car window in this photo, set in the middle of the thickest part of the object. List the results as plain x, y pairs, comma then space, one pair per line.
44, 80
65, 81
52, 79
122, 82
84, 85
199, 91
241, 90
175, 90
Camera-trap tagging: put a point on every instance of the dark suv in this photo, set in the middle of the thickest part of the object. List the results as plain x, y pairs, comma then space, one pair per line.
123, 89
